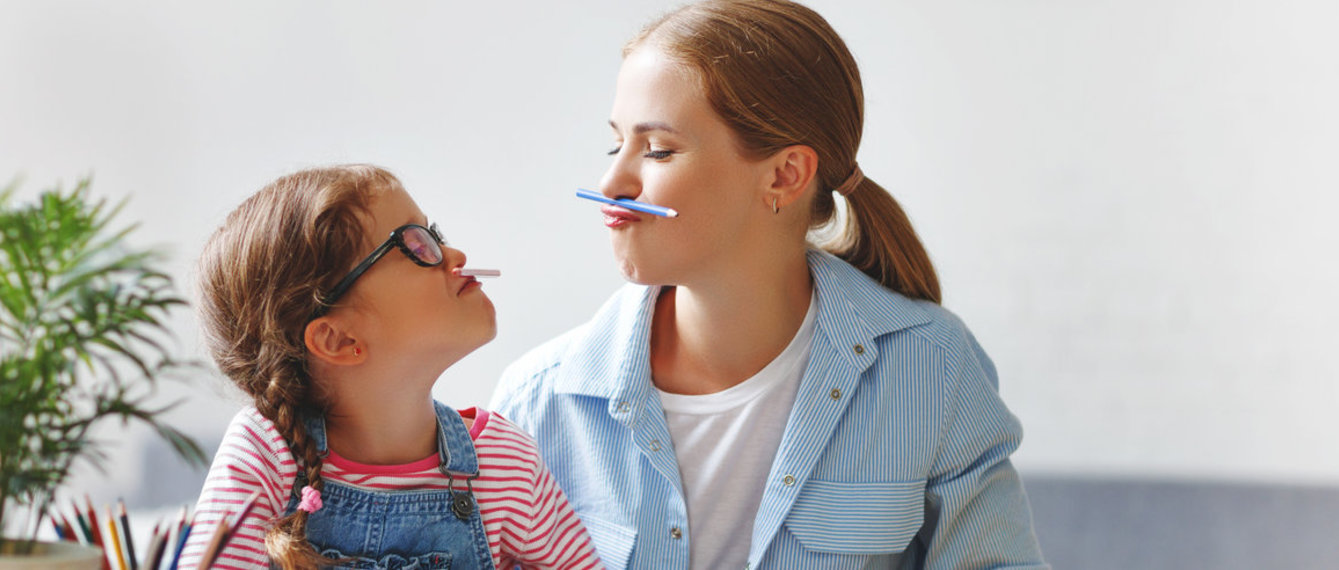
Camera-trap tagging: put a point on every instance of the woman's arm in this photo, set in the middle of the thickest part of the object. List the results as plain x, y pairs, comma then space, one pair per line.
978, 514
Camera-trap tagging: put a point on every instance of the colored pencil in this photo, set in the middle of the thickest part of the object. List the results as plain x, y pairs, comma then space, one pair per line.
154, 555
86, 534
115, 537
125, 532
181, 543
629, 204
68, 529
226, 529
97, 533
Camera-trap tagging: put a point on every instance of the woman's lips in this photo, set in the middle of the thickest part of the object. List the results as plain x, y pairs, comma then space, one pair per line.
615, 216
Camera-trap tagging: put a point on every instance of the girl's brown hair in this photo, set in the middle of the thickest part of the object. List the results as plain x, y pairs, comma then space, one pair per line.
779, 75
261, 278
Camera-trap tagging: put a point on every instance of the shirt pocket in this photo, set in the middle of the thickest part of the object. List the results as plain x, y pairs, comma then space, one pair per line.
613, 541
857, 518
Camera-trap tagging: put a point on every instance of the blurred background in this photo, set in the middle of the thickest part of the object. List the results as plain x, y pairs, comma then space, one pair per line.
1130, 203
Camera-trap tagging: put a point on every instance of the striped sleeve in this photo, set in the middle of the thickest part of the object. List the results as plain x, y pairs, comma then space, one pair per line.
545, 532
983, 518
252, 457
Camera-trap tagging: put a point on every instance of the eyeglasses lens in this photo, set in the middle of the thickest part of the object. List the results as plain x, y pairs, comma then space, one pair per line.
422, 245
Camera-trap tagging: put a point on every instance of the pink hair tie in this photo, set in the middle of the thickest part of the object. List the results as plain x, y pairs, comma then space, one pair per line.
311, 500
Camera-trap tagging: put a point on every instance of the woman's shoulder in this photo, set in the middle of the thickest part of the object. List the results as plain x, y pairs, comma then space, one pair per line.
849, 294
857, 305
617, 321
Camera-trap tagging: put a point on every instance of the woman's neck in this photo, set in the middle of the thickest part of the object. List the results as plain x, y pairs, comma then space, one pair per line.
709, 337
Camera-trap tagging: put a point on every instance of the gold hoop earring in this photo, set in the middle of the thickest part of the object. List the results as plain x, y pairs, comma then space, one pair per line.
775, 210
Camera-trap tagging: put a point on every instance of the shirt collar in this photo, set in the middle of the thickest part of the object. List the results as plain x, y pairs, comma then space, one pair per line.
610, 356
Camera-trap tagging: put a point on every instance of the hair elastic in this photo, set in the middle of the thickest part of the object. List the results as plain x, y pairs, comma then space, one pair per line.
852, 181
311, 500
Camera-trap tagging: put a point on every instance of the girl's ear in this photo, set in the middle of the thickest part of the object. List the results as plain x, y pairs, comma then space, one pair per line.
328, 341
793, 169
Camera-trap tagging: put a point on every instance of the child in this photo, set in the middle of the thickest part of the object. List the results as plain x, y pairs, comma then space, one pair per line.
354, 462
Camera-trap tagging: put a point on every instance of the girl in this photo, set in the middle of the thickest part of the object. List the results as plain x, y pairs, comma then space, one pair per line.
777, 405
330, 299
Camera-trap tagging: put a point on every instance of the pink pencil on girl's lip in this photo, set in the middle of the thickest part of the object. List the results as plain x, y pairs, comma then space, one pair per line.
471, 272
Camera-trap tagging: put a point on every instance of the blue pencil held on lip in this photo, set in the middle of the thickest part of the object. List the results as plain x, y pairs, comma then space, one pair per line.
629, 204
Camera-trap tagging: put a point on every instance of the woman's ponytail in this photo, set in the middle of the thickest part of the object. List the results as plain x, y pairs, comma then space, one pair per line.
879, 240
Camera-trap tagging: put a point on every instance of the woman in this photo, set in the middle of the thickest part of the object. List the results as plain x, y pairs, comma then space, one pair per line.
749, 401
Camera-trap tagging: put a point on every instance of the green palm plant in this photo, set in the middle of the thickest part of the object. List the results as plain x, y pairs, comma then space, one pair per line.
82, 339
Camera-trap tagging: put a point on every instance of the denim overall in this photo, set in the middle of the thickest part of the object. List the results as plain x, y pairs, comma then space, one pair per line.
402, 530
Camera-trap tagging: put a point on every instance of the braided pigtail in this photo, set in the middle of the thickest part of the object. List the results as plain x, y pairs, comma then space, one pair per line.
261, 278
287, 539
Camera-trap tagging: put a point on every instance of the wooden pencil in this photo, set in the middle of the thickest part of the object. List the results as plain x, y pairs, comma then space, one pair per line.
115, 538
125, 534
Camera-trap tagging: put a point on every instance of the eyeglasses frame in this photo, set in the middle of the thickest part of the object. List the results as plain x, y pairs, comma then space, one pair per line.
396, 239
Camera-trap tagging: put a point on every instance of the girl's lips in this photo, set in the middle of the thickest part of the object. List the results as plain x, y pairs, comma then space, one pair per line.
469, 282
615, 216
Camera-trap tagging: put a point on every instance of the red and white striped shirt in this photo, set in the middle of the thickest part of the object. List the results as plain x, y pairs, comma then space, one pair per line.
527, 517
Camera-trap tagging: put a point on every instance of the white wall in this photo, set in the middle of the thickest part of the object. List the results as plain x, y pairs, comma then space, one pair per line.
1129, 202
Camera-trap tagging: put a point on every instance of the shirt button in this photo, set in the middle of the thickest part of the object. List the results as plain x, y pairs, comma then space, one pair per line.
859, 349
836, 394
654, 445
676, 533
623, 407
788, 480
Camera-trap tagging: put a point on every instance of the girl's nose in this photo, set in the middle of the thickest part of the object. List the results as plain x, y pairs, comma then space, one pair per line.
452, 258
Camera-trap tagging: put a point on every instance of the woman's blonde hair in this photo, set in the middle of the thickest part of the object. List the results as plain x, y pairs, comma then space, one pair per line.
261, 278
779, 75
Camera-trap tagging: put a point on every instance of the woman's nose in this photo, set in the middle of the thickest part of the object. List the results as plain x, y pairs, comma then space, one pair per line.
620, 180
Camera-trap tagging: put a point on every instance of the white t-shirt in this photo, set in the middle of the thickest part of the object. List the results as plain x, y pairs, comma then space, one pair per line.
725, 443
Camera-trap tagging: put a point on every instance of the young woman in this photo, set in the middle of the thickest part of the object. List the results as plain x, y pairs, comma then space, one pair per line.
330, 300
750, 401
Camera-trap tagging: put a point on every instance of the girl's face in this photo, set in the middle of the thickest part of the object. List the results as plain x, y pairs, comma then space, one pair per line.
403, 310
672, 149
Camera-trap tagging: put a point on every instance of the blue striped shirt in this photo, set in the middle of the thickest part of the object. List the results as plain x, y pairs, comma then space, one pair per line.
895, 455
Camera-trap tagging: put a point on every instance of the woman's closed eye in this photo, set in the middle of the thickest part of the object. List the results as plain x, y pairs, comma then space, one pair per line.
654, 154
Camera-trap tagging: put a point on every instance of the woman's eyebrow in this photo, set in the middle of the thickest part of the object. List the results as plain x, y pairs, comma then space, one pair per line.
640, 128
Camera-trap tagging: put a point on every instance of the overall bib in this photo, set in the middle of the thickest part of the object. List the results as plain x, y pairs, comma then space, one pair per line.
402, 530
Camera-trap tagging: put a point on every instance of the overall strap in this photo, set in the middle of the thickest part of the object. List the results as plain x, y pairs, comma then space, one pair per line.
454, 445
314, 421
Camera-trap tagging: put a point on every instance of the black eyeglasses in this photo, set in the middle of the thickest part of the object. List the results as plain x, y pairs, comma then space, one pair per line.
421, 245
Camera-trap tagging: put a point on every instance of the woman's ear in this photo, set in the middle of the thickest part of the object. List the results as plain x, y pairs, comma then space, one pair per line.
793, 170
328, 341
